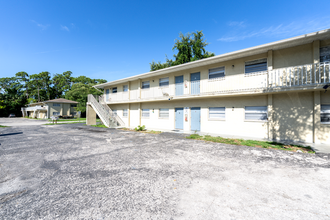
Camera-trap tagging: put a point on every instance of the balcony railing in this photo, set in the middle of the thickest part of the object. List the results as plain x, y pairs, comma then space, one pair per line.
289, 77
34, 108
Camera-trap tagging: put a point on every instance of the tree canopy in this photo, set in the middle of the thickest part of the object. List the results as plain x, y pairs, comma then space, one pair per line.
22, 89
189, 47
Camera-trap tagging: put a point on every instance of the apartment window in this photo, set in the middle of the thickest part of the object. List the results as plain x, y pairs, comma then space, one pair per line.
125, 112
257, 113
164, 82
325, 54
217, 112
164, 113
56, 113
146, 85
256, 66
325, 113
125, 88
73, 105
56, 104
145, 113
218, 72
114, 90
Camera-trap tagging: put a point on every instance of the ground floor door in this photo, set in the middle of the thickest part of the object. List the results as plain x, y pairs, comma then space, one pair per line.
195, 118
179, 118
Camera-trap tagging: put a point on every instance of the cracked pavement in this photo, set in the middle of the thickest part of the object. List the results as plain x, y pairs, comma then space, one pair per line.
81, 172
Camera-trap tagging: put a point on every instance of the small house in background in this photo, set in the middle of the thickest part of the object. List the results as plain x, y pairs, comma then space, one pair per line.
56, 107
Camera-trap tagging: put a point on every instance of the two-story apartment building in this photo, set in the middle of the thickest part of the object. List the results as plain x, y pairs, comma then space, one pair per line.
53, 107
274, 91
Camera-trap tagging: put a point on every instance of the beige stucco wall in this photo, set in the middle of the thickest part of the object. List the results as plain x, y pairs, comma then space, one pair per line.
64, 109
293, 116
323, 135
233, 125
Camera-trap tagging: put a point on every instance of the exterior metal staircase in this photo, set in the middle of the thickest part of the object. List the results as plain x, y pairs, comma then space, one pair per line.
107, 116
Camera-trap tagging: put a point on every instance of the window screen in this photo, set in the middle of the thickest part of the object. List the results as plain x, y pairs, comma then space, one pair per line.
125, 112
217, 112
325, 54
164, 113
57, 104
164, 82
217, 73
56, 113
107, 92
146, 85
325, 113
114, 90
256, 113
145, 113
125, 88
256, 66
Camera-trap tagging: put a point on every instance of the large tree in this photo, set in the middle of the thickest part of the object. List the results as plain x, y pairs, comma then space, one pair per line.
189, 47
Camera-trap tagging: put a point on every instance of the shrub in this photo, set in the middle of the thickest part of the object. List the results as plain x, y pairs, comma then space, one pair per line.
140, 128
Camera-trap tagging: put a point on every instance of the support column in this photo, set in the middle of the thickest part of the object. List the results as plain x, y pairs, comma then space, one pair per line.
317, 116
129, 90
129, 115
270, 65
140, 114
90, 115
316, 59
270, 118
139, 89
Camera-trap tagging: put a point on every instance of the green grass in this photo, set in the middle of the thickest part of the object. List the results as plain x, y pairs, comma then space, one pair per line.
74, 119
99, 126
2, 126
144, 131
253, 143
65, 123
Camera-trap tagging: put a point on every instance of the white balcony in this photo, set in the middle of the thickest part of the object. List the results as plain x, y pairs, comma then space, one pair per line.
295, 77
34, 108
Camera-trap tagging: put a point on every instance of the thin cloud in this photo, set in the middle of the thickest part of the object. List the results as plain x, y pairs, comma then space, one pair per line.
42, 26
65, 28
236, 23
281, 30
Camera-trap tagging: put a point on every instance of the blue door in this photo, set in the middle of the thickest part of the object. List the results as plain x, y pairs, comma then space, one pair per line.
178, 85
194, 81
196, 119
179, 118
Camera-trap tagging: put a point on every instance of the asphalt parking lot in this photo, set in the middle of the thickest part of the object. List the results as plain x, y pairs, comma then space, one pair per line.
81, 172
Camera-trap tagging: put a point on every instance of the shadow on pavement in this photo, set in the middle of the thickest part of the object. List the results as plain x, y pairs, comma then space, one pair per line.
11, 134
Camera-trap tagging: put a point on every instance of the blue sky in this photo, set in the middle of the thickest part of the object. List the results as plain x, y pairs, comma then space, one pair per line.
117, 39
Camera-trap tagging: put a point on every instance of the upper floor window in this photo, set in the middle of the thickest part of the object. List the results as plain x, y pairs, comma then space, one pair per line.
57, 104
256, 66
145, 113
146, 85
257, 113
125, 88
164, 82
164, 113
73, 105
114, 90
218, 72
125, 112
217, 112
325, 113
325, 54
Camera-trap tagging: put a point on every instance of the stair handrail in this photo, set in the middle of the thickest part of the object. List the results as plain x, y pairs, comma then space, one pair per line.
104, 115
107, 108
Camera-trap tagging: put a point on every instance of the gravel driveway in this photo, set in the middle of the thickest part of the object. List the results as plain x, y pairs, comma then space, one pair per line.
80, 172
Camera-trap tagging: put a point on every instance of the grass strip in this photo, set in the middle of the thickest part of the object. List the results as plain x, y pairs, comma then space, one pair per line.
145, 131
99, 126
253, 143
2, 126
64, 123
